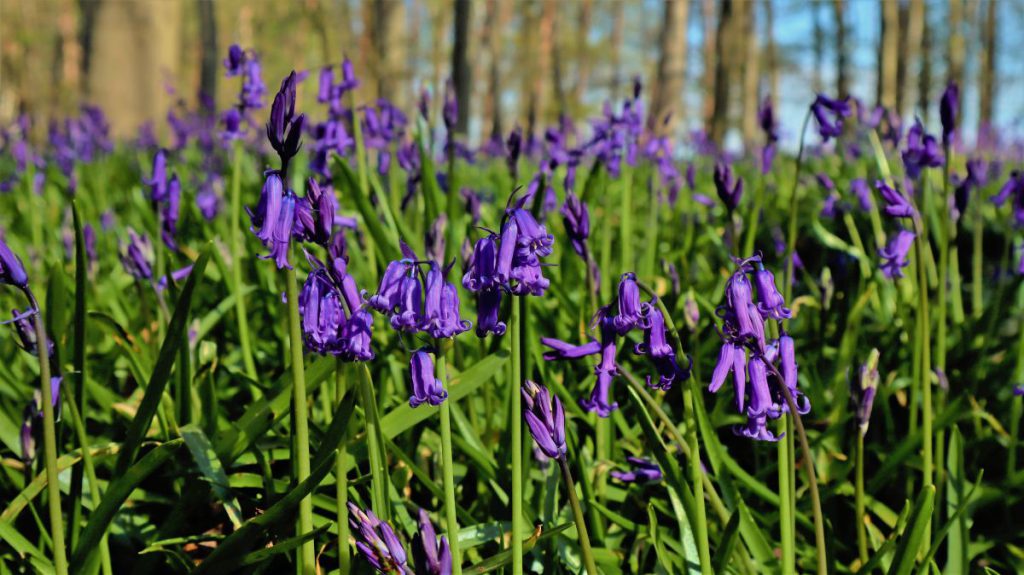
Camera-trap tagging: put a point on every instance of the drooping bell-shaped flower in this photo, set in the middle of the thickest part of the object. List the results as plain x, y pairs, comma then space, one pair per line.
356, 337
315, 214
830, 114
265, 216
922, 151
481, 271
862, 191
12, 271
377, 542
441, 310
170, 211
895, 253
642, 471
770, 303
24, 327
739, 302
605, 371
896, 204
281, 232
426, 387
949, 106
728, 186
632, 312
576, 218
863, 389
157, 180
545, 419
322, 312
431, 556
656, 347
137, 256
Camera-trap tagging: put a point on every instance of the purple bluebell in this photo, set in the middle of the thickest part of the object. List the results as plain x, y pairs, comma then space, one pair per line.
655, 346
12, 271
208, 200
137, 255
606, 370
769, 125
233, 63
169, 212
830, 114
284, 129
897, 205
922, 151
523, 242
275, 218
441, 310
576, 218
894, 254
977, 176
157, 180
432, 556
426, 387
1013, 189
24, 327
862, 191
176, 276
770, 302
948, 108
641, 471
514, 143
863, 389
545, 418
322, 311
729, 187
377, 542
315, 213
632, 312
356, 337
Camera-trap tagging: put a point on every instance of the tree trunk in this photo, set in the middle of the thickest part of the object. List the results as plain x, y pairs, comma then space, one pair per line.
956, 50
668, 83
770, 50
842, 49
730, 47
462, 74
751, 76
86, 34
586, 12
618, 32
888, 54
210, 59
818, 41
710, 61
910, 50
557, 59
924, 84
389, 44
987, 73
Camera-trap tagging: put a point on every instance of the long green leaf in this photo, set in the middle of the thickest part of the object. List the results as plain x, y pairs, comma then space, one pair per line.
505, 557
10, 535
36, 486
386, 243
162, 371
213, 470
913, 538
117, 493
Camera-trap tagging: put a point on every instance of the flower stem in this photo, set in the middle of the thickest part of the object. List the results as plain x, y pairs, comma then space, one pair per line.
926, 367
858, 498
515, 329
791, 232
577, 512
626, 233
341, 478
812, 480
977, 260
307, 553
696, 479
450, 503
236, 263
60, 559
786, 524
375, 446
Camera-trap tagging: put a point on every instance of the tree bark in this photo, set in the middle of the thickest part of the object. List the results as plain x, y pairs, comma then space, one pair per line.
462, 74
955, 50
842, 49
730, 48
586, 12
751, 76
924, 84
210, 59
389, 44
888, 54
710, 61
668, 83
910, 51
618, 33
987, 73
771, 51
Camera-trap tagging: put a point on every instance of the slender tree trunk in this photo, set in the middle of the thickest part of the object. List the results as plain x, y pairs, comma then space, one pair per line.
771, 51
668, 84
586, 12
751, 76
818, 39
86, 35
987, 73
618, 33
842, 49
210, 59
557, 59
955, 50
439, 19
540, 74
710, 59
462, 74
730, 47
910, 50
924, 85
389, 44
888, 54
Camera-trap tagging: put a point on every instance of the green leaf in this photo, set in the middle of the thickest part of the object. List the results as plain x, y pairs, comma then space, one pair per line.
726, 544
505, 557
36, 486
956, 553
162, 371
117, 493
212, 469
386, 243
11, 536
954, 520
282, 547
912, 539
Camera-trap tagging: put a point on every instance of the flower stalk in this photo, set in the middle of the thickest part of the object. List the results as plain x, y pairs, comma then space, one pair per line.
515, 329
341, 477
577, 513
448, 469
236, 262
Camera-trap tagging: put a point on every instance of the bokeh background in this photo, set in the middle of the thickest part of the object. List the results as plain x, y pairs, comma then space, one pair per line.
706, 63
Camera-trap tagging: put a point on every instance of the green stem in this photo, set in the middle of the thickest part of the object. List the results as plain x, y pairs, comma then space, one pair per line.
577, 512
60, 559
862, 536
236, 263
696, 479
626, 233
793, 205
753, 218
977, 260
374, 445
926, 368
515, 328
812, 480
786, 523
307, 553
341, 478
450, 503
1016, 408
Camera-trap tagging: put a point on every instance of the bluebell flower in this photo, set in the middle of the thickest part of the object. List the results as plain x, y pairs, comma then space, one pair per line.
430, 555
441, 314
895, 253
922, 151
830, 114
137, 255
896, 204
426, 387
377, 542
545, 419
642, 471
12, 271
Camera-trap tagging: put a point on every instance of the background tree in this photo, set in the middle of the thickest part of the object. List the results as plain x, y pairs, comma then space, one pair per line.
667, 89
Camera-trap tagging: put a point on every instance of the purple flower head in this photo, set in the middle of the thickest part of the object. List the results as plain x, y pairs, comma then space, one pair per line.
788, 371
863, 389
523, 242
137, 256
757, 428
322, 312
738, 304
169, 212
948, 107
349, 81
24, 327
356, 337
176, 276
12, 272
545, 418
281, 234
208, 201
655, 346
770, 303
830, 114
977, 176
862, 191
275, 218
515, 148
430, 555
770, 127
729, 187
895, 253
387, 298
1014, 187
377, 542
157, 181
896, 204
233, 63
284, 129
606, 371
576, 218
450, 111
426, 388
922, 151
642, 471
441, 317
481, 270
632, 312
316, 217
